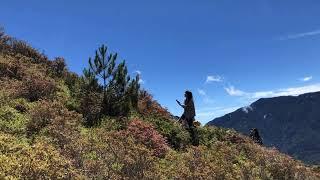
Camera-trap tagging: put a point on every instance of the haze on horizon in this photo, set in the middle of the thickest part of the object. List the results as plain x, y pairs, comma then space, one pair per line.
228, 53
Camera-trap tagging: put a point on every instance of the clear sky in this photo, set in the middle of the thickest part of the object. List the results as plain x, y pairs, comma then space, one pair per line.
228, 53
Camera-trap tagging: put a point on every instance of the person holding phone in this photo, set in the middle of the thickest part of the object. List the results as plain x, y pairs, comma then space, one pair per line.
188, 114
188, 106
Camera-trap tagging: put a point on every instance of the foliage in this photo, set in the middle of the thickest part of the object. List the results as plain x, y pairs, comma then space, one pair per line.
210, 135
46, 113
113, 156
36, 87
119, 93
177, 137
22, 78
146, 134
58, 67
103, 65
117, 102
11, 121
41, 115
19, 160
223, 161
148, 106
91, 107
13, 47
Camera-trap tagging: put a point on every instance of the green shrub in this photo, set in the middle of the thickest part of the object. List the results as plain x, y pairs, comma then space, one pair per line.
21, 105
110, 156
19, 160
64, 134
197, 163
114, 124
11, 121
210, 135
4, 97
65, 96
176, 135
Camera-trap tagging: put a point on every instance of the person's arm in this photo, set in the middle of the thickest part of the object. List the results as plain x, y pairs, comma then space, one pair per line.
183, 106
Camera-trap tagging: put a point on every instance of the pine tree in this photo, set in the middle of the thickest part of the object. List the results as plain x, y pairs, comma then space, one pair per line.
118, 102
133, 91
120, 93
103, 65
90, 98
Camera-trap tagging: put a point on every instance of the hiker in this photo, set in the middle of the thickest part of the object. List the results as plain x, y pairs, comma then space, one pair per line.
188, 115
255, 136
189, 110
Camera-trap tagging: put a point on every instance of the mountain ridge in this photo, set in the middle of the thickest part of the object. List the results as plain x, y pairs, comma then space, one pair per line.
290, 123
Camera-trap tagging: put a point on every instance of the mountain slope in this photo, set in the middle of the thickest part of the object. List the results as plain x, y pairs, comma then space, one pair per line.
44, 134
290, 123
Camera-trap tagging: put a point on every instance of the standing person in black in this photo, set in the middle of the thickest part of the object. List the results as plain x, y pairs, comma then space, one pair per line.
188, 115
255, 136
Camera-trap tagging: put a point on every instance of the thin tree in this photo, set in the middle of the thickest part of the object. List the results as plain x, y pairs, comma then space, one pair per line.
103, 65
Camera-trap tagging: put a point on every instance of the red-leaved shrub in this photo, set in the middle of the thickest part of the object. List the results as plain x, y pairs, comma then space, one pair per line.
37, 87
13, 47
146, 134
148, 106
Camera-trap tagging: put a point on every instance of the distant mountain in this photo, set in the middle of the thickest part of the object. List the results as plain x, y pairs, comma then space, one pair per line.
290, 123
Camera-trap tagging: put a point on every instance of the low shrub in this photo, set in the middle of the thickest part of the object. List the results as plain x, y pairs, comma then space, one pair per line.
60, 126
145, 133
58, 67
210, 135
12, 121
113, 156
177, 136
19, 160
197, 163
91, 107
43, 114
13, 47
36, 87
65, 96
9, 67
148, 106
25, 79
269, 163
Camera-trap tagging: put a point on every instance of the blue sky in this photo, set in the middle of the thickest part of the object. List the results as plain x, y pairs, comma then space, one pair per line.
228, 53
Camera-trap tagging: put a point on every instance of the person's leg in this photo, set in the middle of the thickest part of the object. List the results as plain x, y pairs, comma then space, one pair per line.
193, 133
190, 123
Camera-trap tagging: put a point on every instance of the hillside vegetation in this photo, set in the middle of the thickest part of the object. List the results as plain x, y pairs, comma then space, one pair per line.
55, 124
290, 123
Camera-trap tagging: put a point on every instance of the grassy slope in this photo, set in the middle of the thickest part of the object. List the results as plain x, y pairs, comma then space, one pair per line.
44, 138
